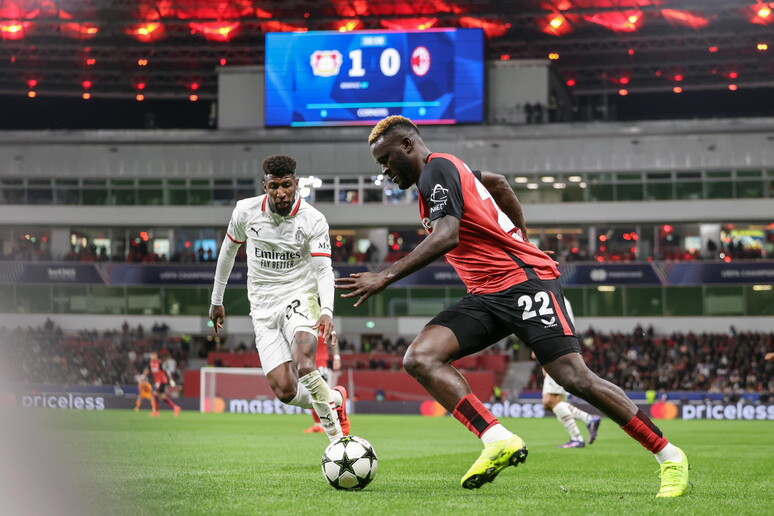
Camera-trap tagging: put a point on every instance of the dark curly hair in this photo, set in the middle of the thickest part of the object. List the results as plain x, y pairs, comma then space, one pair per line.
279, 165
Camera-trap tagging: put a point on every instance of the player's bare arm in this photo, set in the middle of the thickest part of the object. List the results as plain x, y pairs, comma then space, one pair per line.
217, 316
444, 238
498, 187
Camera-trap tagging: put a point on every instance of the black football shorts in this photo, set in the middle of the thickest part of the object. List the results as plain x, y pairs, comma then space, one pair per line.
533, 310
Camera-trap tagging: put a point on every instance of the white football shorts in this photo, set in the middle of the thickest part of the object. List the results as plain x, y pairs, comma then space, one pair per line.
275, 327
551, 387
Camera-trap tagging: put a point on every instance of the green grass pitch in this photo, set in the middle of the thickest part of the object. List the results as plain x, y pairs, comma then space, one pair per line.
233, 464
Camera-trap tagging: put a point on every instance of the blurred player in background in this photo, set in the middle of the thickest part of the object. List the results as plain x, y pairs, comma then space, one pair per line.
321, 361
475, 221
555, 400
145, 392
161, 381
290, 288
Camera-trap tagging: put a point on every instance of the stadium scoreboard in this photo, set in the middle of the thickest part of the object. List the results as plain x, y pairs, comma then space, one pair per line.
323, 78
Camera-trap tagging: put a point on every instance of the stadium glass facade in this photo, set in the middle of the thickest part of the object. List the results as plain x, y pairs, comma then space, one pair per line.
548, 188
601, 301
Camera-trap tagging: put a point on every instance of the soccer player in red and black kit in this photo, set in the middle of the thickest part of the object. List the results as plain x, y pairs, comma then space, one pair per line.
475, 220
160, 382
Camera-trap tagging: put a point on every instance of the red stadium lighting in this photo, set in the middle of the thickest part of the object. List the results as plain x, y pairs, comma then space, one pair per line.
624, 80
31, 94
764, 12
216, 31
603, 238
713, 49
553, 56
505, 57
677, 89
91, 61
571, 82
678, 77
492, 28
86, 85
32, 83
223, 61
193, 97
623, 92
139, 97
630, 51
140, 85
147, 31
86, 95
193, 86
733, 87
557, 21
733, 75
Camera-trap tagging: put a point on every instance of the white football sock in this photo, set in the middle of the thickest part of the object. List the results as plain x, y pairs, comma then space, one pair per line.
580, 414
302, 399
564, 415
496, 433
670, 453
337, 399
322, 402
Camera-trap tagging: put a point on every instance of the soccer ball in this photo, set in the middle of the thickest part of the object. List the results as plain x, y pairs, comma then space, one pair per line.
349, 463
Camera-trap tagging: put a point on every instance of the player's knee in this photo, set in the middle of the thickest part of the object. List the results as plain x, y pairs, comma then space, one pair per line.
418, 363
578, 384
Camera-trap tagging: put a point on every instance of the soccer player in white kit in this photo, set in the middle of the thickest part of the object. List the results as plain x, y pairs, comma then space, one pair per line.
555, 399
290, 288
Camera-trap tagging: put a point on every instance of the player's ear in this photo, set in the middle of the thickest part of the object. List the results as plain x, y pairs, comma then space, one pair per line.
407, 144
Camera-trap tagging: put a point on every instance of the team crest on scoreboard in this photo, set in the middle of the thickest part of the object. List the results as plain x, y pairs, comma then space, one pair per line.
326, 63
420, 61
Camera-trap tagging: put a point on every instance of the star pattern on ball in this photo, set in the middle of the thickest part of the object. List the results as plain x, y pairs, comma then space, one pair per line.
345, 464
370, 455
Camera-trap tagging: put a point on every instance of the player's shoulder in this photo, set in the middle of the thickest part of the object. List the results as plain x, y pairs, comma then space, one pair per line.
250, 203
309, 212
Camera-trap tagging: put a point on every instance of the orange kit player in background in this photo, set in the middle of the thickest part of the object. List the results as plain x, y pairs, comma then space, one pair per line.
321, 361
160, 383
145, 392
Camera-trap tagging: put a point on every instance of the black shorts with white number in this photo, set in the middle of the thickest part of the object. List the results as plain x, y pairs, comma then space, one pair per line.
533, 310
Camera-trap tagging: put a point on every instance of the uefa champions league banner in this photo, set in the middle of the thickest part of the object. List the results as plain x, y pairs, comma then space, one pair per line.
440, 274
717, 272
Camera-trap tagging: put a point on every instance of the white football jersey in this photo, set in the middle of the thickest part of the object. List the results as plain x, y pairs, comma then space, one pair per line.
279, 248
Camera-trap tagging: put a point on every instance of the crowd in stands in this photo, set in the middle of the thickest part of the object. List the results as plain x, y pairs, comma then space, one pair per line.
728, 363
48, 355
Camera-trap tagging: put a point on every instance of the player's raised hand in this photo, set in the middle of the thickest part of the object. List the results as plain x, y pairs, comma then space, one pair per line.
218, 317
363, 284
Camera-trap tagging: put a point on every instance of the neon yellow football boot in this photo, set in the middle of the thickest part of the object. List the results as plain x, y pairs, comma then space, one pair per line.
674, 478
495, 457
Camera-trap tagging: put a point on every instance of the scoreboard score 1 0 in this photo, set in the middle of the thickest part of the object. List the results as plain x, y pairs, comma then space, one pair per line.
357, 78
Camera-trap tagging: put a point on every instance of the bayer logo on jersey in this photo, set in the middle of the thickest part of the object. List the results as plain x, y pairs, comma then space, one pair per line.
349, 463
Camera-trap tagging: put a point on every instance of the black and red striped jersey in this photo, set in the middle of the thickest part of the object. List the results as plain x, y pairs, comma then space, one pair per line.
492, 255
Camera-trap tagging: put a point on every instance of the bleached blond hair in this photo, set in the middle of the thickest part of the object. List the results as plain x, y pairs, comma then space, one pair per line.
389, 124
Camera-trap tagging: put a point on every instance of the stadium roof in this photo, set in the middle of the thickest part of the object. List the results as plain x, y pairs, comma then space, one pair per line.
171, 49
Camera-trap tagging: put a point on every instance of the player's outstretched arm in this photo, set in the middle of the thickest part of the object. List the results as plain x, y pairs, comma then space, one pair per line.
226, 258
502, 193
444, 238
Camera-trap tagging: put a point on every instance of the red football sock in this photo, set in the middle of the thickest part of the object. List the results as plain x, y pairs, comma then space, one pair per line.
169, 402
645, 432
315, 417
474, 415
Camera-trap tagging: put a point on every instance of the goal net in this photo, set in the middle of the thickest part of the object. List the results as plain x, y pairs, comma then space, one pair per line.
218, 385
244, 389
